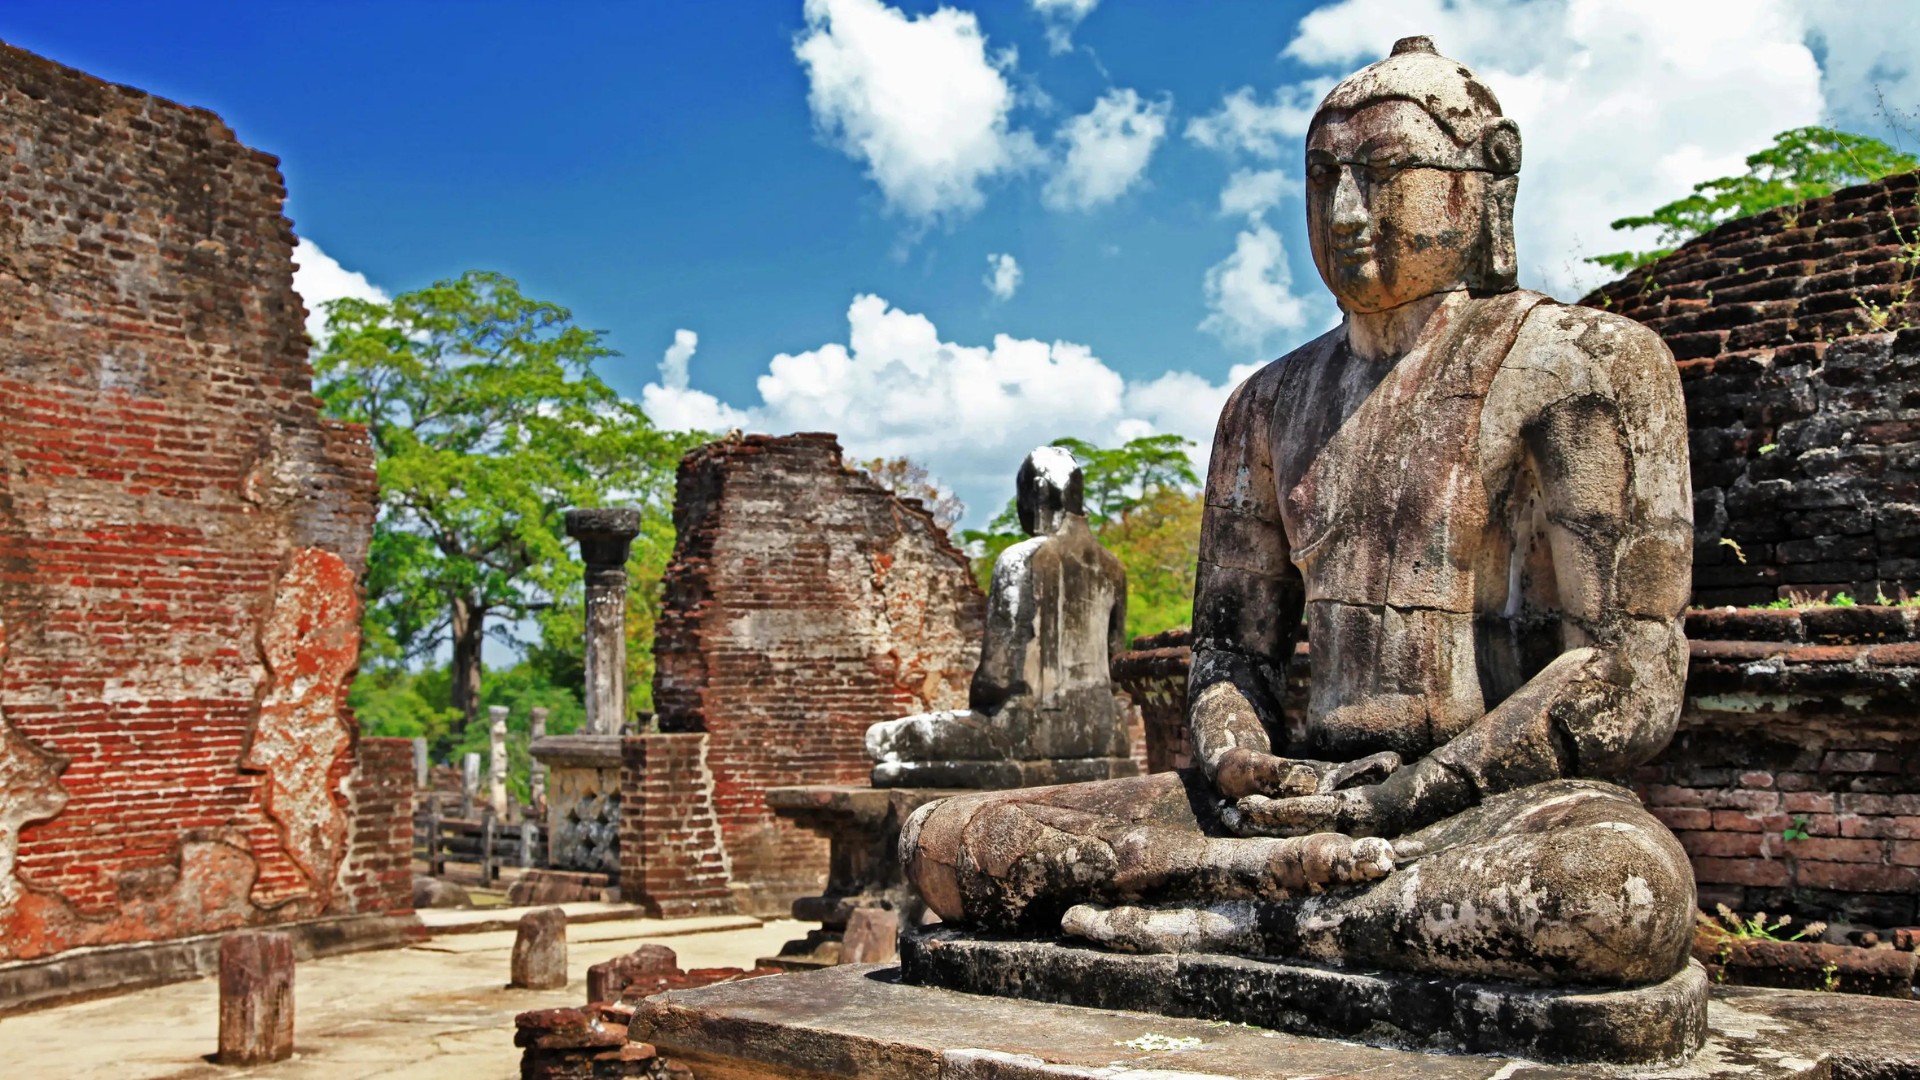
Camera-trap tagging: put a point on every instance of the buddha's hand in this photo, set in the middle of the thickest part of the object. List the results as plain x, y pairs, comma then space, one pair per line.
1242, 772
1328, 860
1397, 804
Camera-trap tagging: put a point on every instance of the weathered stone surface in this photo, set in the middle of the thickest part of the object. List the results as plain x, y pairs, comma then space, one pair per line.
1477, 498
1661, 1023
256, 998
186, 534
872, 937
583, 801
429, 892
1040, 709
608, 981
586, 1044
540, 950
859, 1021
605, 536
539, 887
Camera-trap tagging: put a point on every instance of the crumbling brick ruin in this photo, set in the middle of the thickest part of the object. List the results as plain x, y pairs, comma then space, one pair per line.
804, 603
181, 540
1794, 779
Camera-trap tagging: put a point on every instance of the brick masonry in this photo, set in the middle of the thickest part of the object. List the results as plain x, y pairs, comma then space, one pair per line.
804, 603
1802, 380
182, 536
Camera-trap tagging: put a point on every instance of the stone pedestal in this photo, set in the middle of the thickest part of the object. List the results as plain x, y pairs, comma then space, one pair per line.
862, 824
861, 1021
256, 998
583, 802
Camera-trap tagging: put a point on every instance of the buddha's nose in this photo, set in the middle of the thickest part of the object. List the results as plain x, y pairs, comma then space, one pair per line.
1350, 218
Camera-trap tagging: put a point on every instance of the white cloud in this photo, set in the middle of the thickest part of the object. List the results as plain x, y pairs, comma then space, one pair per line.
1869, 52
1242, 125
1622, 104
918, 100
1252, 192
318, 278
671, 404
1250, 294
967, 412
1106, 150
1003, 276
1061, 18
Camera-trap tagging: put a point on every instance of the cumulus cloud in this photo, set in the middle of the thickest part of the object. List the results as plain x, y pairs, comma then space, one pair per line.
672, 404
1003, 276
1622, 104
1061, 18
318, 278
1106, 150
1250, 294
920, 101
1244, 125
967, 412
1252, 192
1868, 60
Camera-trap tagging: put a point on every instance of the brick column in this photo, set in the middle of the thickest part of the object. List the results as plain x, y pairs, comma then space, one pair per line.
671, 858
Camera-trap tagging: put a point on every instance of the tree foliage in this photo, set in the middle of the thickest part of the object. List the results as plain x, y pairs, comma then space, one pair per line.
487, 422
1804, 163
909, 479
1143, 504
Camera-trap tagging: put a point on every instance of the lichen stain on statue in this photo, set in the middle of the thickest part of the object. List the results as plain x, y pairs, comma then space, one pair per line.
1040, 704
1478, 498
309, 643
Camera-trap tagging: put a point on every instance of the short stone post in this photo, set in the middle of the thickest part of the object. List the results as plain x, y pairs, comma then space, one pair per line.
497, 760
256, 998
420, 764
537, 775
606, 537
872, 936
540, 950
469, 782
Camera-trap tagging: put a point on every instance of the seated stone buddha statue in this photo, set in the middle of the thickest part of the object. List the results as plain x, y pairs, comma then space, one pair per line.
1477, 501
1041, 706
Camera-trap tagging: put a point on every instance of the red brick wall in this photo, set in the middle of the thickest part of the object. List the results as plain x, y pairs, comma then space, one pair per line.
1802, 383
671, 858
181, 535
804, 603
377, 874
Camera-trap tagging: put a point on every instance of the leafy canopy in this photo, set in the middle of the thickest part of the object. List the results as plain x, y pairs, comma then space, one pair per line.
487, 421
1802, 164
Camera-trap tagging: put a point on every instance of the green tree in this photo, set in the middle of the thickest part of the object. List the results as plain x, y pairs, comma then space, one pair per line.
1143, 505
487, 422
1802, 164
909, 479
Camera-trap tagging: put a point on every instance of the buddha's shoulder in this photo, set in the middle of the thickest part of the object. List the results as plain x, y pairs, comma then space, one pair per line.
1571, 336
1264, 386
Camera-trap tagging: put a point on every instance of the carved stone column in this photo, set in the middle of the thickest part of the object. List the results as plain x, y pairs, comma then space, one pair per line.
605, 536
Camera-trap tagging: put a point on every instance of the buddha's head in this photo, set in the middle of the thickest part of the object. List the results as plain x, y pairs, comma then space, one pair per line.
1411, 171
1048, 488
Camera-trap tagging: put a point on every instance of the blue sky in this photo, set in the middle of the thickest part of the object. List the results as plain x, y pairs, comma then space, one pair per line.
806, 197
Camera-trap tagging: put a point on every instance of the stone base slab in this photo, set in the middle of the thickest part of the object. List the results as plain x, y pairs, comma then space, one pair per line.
112, 969
1000, 775
859, 1020
1664, 1022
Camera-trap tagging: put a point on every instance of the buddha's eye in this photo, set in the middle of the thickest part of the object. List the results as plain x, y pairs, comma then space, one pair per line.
1321, 172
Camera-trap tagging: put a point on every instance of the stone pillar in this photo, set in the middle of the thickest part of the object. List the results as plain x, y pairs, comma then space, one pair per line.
420, 764
537, 772
469, 781
497, 760
606, 537
540, 950
256, 997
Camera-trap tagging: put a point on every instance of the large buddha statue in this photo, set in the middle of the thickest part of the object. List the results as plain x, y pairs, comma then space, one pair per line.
1478, 500
1040, 707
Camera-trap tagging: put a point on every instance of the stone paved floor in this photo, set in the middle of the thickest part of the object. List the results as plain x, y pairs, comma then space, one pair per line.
436, 1010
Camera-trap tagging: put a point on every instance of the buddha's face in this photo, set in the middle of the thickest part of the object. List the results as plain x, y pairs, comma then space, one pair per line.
1391, 214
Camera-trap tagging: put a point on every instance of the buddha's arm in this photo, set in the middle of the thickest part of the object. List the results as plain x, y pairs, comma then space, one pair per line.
1117, 615
1002, 671
1606, 437
1247, 603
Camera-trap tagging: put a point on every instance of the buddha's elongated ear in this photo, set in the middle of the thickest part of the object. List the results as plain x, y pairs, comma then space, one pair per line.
1502, 269
1500, 146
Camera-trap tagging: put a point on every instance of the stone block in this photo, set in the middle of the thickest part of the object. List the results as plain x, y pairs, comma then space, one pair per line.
256, 998
606, 981
872, 937
540, 950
